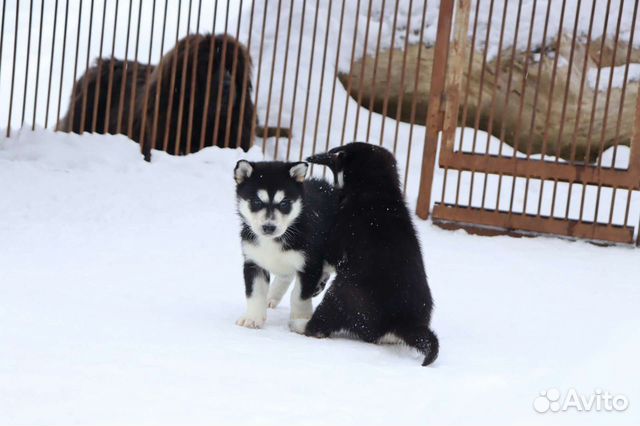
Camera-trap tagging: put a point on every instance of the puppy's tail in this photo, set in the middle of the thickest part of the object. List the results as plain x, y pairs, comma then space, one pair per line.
432, 348
424, 340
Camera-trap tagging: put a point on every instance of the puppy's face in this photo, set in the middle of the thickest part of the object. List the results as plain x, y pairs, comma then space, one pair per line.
269, 195
355, 160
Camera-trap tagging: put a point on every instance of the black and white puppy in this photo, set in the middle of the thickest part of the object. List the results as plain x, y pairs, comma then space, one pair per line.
380, 292
285, 226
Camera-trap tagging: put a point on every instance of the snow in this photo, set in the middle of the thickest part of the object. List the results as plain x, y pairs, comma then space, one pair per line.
617, 81
120, 282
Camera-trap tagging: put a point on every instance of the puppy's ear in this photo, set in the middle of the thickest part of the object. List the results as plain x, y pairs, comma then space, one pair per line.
242, 171
298, 171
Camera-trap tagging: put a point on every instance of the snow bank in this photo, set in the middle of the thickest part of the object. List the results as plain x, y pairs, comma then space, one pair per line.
617, 80
120, 282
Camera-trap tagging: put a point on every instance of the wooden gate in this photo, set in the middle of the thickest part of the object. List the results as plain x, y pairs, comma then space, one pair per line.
499, 176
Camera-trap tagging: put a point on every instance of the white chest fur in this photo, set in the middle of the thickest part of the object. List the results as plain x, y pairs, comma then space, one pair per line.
268, 254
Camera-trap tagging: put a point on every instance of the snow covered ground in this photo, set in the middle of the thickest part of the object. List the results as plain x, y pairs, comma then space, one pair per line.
120, 282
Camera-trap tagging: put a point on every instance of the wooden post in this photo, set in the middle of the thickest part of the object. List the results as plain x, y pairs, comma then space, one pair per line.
438, 102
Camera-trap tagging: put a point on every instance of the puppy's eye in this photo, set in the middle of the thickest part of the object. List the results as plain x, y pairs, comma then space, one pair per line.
284, 205
256, 204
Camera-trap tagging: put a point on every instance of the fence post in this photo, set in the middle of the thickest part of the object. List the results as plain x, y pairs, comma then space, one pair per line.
634, 160
435, 114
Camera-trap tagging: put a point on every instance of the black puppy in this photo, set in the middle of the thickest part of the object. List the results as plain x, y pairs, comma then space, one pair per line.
380, 291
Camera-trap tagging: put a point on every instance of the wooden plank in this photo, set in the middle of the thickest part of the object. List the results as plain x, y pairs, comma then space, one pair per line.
523, 223
537, 169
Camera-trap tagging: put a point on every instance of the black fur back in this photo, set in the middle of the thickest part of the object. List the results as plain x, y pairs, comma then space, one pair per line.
381, 285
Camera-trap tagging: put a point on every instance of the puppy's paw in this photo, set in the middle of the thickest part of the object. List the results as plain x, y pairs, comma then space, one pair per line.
250, 322
272, 302
298, 325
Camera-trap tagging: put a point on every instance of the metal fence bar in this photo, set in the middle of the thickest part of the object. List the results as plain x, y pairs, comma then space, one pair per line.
172, 86
4, 15
565, 102
497, 74
353, 54
476, 122
207, 97
145, 146
545, 133
284, 77
398, 115
516, 139
37, 84
572, 156
85, 82
414, 100
306, 102
245, 83
223, 64
320, 90
335, 80
192, 93
273, 64
134, 82
385, 101
123, 82
619, 121
257, 95
152, 143
593, 106
234, 72
363, 62
466, 91
62, 62
375, 67
534, 110
13, 66
606, 109
69, 126
183, 83
96, 95
107, 114
26, 72
295, 78
503, 127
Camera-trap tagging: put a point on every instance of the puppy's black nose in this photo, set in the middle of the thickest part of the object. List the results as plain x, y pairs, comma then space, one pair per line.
268, 229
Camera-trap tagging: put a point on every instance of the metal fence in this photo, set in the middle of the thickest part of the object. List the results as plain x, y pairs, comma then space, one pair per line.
505, 117
546, 180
